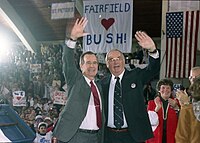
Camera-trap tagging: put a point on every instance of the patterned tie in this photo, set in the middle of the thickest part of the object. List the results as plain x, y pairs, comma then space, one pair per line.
118, 107
97, 104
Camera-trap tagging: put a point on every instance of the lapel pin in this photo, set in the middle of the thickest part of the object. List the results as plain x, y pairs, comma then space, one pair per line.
133, 85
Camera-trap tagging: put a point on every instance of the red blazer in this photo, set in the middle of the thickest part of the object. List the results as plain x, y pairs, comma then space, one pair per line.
172, 119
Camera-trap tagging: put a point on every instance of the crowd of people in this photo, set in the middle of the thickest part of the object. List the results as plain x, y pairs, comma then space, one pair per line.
108, 108
36, 76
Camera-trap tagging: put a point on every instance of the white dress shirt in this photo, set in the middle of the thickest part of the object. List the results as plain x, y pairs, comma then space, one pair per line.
90, 120
111, 102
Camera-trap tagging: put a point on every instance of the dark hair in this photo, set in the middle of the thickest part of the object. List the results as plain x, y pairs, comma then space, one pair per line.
86, 53
164, 82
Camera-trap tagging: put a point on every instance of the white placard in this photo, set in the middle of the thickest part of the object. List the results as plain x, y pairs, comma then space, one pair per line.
62, 10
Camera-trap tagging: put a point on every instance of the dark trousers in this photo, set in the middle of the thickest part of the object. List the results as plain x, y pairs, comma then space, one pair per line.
118, 137
82, 137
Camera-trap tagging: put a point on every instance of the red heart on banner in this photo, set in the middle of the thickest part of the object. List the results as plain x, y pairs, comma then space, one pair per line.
107, 23
18, 98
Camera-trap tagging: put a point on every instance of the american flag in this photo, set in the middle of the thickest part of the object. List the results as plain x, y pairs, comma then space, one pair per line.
182, 35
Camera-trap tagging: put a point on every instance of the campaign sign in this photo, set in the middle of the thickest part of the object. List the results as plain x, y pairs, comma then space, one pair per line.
109, 25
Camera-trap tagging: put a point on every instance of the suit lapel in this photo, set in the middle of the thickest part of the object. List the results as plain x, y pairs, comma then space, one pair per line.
105, 87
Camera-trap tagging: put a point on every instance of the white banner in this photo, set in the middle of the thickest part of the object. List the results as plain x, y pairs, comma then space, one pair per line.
109, 25
62, 10
19, 98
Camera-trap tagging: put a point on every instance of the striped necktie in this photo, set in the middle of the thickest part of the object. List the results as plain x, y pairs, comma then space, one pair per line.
118, 106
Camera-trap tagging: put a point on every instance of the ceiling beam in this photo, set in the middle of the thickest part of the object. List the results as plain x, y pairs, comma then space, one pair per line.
18, 26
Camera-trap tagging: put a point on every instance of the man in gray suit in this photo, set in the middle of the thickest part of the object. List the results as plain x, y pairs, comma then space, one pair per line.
81, 120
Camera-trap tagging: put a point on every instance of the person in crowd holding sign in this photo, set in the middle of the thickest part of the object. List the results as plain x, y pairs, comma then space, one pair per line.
81, 120
125, 111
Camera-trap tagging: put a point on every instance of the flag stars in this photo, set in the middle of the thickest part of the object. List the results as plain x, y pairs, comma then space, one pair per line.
174, 24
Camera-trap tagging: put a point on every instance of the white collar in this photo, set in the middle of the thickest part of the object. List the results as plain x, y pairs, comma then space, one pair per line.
120, 76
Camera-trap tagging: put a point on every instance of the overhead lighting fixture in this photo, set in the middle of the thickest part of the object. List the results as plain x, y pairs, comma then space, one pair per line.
16, 30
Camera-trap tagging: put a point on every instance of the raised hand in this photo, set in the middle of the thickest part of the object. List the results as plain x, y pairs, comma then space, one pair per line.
78, 28
158, 103
145, 41
173, 103
183, 97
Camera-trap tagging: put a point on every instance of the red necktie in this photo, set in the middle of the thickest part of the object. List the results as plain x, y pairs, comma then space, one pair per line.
97, 104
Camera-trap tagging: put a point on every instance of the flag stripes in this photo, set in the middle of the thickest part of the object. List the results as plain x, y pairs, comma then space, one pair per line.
182, 37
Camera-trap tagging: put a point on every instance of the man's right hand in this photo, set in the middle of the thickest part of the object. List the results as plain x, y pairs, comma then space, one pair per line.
78, 29
145, 41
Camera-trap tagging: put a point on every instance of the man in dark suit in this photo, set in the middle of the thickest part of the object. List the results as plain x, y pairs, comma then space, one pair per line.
79, 122
134, 125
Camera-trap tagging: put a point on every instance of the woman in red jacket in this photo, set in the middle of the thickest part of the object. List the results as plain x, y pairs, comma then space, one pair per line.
163, 114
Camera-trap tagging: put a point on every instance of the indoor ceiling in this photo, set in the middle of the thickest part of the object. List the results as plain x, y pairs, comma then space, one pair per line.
33, 19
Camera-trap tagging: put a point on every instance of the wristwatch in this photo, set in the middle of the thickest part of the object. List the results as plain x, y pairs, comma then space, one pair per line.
72, 40
69, 38
154, 51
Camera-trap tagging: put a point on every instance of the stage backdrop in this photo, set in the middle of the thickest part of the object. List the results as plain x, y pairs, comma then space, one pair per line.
109, 25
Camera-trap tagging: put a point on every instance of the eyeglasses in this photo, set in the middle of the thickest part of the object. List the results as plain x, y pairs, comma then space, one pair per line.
90, 63
111, 60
